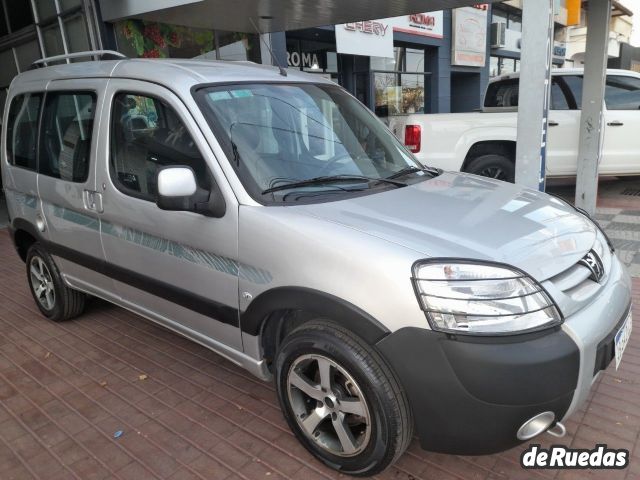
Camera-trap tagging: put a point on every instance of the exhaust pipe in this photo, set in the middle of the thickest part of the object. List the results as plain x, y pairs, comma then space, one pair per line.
543, 422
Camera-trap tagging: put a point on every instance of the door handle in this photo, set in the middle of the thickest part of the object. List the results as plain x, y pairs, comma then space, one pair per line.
615, 123
93, 201
553, 124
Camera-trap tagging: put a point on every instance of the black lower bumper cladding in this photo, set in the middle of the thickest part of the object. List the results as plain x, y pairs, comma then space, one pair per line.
470, 395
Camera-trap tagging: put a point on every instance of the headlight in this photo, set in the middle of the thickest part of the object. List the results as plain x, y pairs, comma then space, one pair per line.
469, 297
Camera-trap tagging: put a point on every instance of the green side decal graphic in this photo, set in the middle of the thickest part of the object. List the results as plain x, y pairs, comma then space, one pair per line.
25, 200
168, 247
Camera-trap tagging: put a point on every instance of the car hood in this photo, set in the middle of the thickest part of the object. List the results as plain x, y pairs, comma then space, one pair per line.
466, 216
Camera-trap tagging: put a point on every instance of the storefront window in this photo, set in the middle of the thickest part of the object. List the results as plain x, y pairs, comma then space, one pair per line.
405, 60
52, 39
398, 89
414, 60
503, 65
77, 35
494, 66
20, 14
138, 38
398, 93
68, 4
46, 9
386, 64
237, 46
313, 57
27, 53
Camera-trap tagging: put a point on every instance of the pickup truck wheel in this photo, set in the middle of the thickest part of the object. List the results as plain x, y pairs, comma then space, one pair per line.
55, 300
341, 400
493, 166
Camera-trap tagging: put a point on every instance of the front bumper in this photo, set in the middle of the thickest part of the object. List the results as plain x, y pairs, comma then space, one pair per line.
470, 395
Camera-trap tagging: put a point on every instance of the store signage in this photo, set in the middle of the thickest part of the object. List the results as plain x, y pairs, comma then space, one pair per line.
375, 28
375, 38
425, 24
469, 45
559, 49
303, 59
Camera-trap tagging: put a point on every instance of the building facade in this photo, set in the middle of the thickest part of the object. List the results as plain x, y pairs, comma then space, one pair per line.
32, 29
402, 65
506, 35
433, 62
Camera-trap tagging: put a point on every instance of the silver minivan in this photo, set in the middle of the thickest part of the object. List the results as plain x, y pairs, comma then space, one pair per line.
273, 219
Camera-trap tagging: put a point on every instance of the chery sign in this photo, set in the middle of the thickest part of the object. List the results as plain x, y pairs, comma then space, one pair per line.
375, 37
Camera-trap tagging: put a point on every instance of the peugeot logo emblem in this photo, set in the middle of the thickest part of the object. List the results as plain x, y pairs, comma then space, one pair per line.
593, 262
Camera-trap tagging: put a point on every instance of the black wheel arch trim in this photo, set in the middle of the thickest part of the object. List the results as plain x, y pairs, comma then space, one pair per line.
310, 300
22, 224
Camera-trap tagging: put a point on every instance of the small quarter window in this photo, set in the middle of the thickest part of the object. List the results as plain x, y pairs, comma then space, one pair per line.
67, 127
147, 134
22, 131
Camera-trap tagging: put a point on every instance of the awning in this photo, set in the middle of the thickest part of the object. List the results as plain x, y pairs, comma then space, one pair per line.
271, 16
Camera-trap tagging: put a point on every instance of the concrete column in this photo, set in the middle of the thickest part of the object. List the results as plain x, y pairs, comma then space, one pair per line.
535, 86
591, 118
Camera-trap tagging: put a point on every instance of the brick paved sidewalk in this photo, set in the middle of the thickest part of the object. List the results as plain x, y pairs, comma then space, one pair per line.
185, 412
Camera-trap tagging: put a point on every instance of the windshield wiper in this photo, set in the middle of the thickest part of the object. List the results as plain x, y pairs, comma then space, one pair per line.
332, 179
434, 172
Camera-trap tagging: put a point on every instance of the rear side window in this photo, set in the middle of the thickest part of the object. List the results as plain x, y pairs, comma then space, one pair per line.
574, 82
502, 94
147, 134
622, 93
22, 130
67, 128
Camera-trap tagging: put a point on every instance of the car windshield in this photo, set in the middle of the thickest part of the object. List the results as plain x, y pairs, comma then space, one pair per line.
283, 135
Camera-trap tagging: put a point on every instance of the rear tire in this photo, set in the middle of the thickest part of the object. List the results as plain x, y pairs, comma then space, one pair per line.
351, 412
493, 166
55, 300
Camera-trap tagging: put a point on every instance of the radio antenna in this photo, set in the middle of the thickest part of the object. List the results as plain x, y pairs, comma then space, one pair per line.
283, 71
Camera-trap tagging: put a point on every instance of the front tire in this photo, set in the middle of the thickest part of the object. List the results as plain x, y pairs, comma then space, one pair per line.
341, 400
493, 166
55, 300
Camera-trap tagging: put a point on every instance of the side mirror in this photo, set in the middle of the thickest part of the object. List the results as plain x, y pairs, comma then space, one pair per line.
179, 191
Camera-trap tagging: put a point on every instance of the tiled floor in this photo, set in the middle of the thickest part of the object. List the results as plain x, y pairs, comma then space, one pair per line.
184, 412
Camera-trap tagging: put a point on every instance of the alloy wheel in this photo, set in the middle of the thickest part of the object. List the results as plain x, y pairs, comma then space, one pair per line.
328, 405
42, 283
494, 172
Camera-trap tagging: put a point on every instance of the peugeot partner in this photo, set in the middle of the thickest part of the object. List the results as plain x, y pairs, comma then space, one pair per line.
273, 219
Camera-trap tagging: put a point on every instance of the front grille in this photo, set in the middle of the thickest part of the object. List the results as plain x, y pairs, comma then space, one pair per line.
582, 280
634, 192
571, 278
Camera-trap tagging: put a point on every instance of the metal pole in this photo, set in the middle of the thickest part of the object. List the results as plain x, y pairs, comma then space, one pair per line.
591, 118
534, 92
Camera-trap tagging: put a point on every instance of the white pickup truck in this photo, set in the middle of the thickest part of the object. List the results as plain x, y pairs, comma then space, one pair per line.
484, 142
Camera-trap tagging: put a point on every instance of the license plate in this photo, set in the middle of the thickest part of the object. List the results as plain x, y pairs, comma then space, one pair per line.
622, 338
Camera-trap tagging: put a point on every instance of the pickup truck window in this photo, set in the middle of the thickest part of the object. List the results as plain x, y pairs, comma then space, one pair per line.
622, 93
504, 94
574, 82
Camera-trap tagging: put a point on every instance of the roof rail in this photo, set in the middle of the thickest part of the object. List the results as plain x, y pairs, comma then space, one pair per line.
102, 54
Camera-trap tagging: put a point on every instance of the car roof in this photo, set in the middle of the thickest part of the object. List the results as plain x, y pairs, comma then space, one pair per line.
564, 71
172, 73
